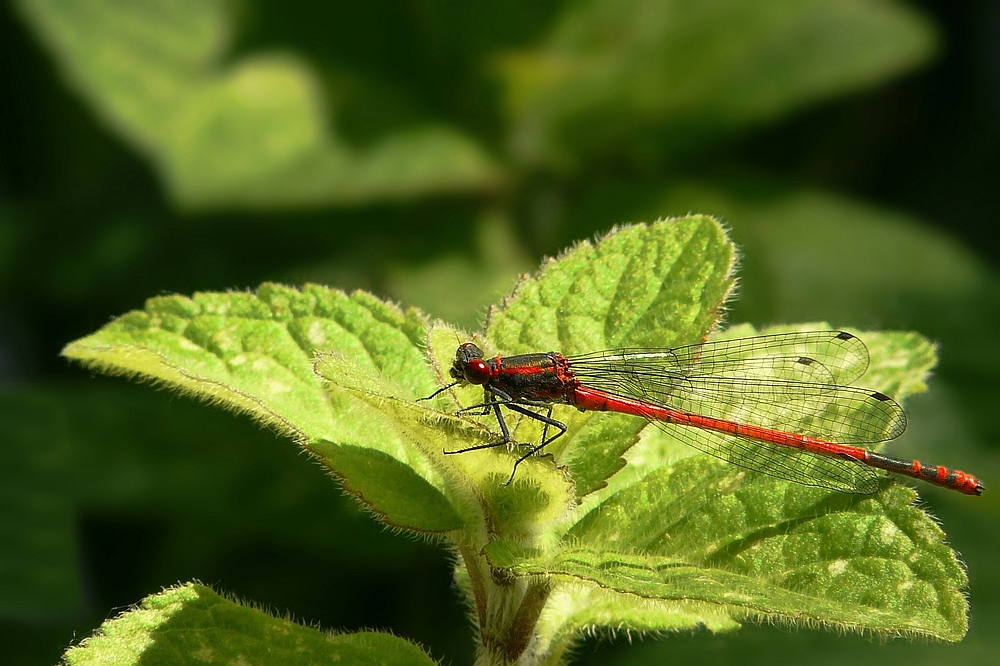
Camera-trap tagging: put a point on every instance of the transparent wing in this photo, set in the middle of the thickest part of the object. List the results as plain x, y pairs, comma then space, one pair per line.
792, 382
832, 357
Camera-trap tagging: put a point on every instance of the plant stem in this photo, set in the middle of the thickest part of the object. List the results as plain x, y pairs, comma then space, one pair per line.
508, 610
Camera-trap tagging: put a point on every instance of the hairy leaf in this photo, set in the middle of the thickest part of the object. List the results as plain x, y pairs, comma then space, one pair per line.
255, 352
191, 624
759, 548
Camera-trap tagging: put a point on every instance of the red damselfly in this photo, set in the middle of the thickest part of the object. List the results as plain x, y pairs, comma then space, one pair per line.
776, 404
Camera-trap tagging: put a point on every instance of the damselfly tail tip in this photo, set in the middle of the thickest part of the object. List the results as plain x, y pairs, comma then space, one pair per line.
966, 483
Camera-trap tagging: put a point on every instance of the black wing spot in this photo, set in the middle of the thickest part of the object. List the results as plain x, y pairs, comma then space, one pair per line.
844, 335
805, 360
878, 395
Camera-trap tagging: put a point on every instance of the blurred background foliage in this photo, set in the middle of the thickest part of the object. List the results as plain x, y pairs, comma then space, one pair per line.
429, 152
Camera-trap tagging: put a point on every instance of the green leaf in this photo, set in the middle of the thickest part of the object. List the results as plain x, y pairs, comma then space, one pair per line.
255, 352
400, 496
583, 608
901, 362
761, 548
249, 133
655, 78
191, 624
659, 285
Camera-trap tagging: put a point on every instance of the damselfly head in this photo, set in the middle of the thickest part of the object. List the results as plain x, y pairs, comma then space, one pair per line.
469, 365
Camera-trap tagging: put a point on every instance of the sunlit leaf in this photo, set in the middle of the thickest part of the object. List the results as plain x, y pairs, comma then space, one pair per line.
191, 624
759, 548
255, 352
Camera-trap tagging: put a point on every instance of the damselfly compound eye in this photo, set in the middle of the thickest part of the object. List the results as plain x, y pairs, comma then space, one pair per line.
477, 372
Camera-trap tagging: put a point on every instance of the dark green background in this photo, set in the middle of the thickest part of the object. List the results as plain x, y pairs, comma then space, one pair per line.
870, 203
